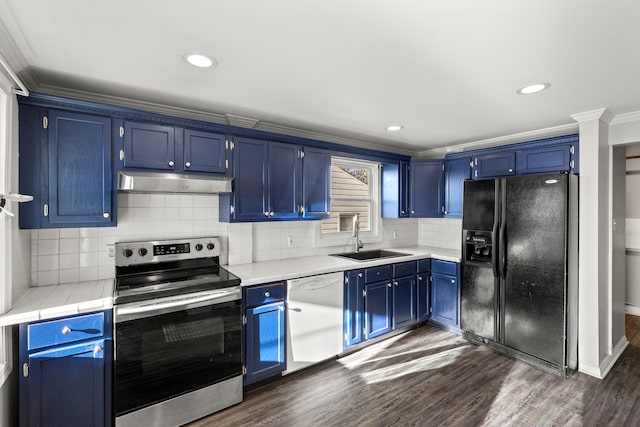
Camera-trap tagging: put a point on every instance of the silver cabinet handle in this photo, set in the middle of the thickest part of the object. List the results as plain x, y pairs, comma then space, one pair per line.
402, 212
271, 213
510, 170
66, 330
413, 212
359, 274
188, 164
420, 278
267, 294
171, 163
266, 214
453, 280
97, 350
389, 285
106, 215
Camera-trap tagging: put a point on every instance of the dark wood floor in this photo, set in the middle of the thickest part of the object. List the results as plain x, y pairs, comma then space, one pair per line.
430, 377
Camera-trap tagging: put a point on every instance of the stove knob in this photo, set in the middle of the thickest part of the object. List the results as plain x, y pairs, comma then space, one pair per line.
127, 253
198, 247
142, 251
210, 246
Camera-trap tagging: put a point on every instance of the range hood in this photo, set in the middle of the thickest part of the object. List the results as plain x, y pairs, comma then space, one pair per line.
151, 182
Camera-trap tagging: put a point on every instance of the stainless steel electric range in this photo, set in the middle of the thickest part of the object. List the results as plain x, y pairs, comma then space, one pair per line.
177, 329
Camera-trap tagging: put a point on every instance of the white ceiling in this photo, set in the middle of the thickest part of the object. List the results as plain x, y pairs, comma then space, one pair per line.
447, 71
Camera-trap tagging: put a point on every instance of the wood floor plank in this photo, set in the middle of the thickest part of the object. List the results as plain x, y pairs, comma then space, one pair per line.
430, 377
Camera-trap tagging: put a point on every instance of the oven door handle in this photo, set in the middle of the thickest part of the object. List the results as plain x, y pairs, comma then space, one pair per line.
138, 311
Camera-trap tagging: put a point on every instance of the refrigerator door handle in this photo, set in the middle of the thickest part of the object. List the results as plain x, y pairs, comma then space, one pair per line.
502, 246
496, 248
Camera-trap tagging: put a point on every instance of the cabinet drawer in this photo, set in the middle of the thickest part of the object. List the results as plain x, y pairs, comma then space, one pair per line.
67, 330
377, 274
424, 265
404, 269
264, 294
444, 267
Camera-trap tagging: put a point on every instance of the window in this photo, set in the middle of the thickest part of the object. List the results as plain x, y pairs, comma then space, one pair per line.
355, 191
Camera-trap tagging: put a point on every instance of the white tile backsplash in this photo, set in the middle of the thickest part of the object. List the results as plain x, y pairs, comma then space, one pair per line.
77, 254
70, 255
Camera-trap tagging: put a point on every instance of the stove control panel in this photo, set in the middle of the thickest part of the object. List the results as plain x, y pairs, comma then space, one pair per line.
132, 253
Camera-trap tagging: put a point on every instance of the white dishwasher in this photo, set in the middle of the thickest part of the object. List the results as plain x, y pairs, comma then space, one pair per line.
315, 307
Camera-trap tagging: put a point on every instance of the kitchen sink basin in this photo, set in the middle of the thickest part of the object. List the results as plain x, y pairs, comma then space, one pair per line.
369, 255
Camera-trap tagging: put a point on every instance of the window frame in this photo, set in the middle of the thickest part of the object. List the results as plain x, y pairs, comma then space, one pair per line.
345, 238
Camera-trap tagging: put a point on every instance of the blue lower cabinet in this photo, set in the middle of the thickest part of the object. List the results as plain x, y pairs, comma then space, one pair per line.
378, 308
445, 299
353, 307
264, 349
68, 384
404, 301
423, 296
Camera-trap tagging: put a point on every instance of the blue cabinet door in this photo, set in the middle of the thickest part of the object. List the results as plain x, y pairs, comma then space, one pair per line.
494, 165
427, 188
264, 338
404, 301
378, 309
316, 183
353, 307
79, 163
284, 181
455, 172
149, 146
395, 190
250, 180
204, 152
445, 299
554, 158
423, 296
68, 386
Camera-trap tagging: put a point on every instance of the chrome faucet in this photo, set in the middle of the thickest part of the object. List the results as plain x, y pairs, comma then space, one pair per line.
356, 231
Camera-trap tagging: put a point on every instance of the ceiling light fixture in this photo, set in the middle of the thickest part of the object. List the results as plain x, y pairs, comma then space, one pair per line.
198, 60
394, 128
533, 88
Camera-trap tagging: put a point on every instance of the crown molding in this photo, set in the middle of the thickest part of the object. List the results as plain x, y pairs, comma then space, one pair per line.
501, 140
626, 118
218, 118
599, 114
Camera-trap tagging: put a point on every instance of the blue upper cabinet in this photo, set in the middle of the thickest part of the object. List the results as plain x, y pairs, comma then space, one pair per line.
172, 149
283, 167
316, 183
204, 152
550, 155
395, 190
277, 181
149, 146
248, 202
426, 183
66, 164
555, 158
494, 165
455, 172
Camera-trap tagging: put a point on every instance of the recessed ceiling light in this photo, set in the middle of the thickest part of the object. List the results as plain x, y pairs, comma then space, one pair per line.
534, 88
199, 60
394, 128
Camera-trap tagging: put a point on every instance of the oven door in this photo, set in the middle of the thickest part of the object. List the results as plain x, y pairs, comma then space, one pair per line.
171, 346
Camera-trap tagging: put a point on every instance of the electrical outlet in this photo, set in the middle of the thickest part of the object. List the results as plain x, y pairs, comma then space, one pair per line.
396, 235
291, 242
111, 251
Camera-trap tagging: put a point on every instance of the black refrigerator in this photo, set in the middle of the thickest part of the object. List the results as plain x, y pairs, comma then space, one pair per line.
519, 288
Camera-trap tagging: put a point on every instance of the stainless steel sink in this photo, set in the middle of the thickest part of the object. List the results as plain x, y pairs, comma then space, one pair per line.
369, 255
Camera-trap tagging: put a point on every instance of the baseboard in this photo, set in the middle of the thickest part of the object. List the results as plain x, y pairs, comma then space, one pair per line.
610, 360
632, 309
605, 366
